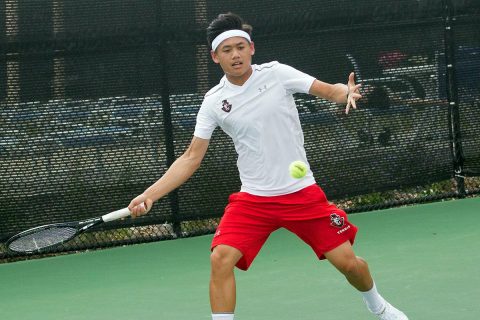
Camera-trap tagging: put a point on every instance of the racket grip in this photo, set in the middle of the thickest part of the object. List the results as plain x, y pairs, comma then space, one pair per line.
119, 214
122, 213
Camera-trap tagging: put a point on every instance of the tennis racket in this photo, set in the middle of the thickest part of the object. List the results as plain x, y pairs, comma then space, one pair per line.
39, 239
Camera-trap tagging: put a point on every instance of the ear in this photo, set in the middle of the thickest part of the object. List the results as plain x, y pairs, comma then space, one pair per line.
214, 56
252, 48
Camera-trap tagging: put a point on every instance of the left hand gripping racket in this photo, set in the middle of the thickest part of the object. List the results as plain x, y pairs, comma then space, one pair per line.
38, 239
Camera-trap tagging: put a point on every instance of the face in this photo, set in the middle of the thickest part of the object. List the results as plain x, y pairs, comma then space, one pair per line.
235, 57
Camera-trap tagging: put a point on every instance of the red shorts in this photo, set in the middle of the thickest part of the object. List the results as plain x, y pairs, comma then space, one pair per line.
249, 220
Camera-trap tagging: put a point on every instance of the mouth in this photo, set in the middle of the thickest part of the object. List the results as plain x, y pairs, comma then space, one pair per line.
237, 65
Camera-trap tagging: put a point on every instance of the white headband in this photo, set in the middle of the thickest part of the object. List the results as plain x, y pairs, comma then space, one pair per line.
229, 34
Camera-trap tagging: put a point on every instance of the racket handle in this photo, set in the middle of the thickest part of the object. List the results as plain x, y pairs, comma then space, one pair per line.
122, 213
119, 214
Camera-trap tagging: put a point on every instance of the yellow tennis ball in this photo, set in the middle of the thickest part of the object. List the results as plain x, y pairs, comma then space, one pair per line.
298, 169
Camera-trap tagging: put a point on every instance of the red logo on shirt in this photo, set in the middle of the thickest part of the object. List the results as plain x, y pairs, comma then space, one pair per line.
226, 106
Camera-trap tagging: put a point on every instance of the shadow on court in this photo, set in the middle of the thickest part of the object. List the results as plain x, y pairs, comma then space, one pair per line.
423, 258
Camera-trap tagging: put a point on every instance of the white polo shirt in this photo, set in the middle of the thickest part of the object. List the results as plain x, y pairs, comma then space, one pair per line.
262, 119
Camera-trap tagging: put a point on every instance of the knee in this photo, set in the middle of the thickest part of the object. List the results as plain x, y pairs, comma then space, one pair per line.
222, 261
352, 266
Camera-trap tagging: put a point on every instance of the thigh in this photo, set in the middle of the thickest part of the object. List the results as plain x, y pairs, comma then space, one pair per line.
325, 233
244, 230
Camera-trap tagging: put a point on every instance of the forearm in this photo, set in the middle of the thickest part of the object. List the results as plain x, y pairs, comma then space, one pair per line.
178, 173
333, 92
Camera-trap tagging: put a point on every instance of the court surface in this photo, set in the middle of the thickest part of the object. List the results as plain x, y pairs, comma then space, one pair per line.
425, 260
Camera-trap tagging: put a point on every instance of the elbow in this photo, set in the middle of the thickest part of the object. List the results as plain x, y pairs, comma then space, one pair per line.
196, 163
192, 161
195, 153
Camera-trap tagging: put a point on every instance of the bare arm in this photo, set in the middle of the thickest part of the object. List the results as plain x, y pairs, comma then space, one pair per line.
178, 173
333, 92
339, 92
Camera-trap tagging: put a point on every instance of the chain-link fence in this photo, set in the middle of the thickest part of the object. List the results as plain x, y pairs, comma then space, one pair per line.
98, 98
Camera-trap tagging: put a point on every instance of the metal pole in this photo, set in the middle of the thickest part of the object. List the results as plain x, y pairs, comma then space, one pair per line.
167, 122
452, 94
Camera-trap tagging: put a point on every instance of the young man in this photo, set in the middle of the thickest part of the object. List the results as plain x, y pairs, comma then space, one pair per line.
254, 105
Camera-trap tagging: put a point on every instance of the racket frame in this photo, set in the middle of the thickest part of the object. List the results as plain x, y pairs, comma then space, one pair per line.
80, 226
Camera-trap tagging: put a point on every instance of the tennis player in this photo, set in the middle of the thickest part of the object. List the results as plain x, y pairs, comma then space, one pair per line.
254, 105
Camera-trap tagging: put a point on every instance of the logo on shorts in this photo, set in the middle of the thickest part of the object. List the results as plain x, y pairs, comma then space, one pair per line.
217, 233
336, 220
226, 106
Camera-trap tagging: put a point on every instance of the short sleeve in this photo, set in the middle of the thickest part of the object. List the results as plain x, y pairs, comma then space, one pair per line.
206, 124
293, 80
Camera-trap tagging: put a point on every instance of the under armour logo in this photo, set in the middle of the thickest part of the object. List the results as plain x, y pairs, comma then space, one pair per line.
226, 106
262, 89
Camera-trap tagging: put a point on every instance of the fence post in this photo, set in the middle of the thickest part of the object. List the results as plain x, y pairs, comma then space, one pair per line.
167, 124
452, 95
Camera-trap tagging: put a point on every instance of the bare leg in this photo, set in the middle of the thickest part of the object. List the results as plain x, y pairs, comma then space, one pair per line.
222, 279
354, 268
356, 271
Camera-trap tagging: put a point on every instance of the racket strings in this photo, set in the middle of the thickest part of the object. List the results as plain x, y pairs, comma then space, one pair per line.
42, 239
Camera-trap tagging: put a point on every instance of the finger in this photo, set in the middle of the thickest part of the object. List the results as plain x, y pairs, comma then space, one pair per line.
142, 208
356, 96
137, 213
133, 207
356, 88
351, 78
133, 214
354, 104
348, 107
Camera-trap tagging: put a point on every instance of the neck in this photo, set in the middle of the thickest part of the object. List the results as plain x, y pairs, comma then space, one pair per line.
239, 80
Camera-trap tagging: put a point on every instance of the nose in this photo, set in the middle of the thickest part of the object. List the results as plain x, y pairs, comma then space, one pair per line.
235, 53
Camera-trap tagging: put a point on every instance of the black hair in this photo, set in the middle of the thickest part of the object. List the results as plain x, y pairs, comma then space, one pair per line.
225, 22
